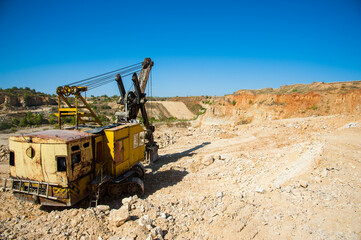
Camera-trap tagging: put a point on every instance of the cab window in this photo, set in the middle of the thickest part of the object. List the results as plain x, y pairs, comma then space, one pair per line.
61, 163
12, 158
75, 148
75, 158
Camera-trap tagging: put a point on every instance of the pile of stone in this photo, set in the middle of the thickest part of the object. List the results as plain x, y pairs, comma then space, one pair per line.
166, 139
4, 153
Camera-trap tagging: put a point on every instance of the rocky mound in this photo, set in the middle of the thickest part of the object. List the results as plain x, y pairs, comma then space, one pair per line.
19, 98
300, 100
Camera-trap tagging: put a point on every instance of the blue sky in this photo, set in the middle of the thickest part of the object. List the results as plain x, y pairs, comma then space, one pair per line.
199, 47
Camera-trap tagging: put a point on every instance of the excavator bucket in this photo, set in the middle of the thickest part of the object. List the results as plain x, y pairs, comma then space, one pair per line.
152, 153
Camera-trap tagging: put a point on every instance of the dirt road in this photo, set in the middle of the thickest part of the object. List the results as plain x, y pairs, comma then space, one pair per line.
285, 179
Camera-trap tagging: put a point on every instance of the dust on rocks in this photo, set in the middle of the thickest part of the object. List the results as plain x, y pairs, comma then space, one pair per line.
287, 179
4, 153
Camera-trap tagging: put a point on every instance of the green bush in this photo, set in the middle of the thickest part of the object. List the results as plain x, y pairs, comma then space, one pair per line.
209, 102
15, 121
105, 107
152, 120
103, 118
312, 108
171, 119
23, 122
40, 118
30, 119
5, 125
52, 119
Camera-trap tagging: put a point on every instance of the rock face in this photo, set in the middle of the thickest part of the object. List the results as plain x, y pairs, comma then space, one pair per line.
8, 100
300, 100
37, 101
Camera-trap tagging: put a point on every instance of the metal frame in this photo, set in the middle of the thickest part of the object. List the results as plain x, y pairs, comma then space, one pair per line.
74, 110
30, 185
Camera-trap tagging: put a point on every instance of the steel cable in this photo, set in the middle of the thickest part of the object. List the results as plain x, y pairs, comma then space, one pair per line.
103, 78
97, 76
109, 80
99, 80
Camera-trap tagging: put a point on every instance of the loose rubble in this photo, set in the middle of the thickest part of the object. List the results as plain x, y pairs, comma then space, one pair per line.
4, 153
119, 217
287, 179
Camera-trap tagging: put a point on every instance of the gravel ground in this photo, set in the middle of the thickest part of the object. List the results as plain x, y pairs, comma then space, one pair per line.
285, 179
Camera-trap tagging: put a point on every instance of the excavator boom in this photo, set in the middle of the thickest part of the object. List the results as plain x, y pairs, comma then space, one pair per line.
134, 101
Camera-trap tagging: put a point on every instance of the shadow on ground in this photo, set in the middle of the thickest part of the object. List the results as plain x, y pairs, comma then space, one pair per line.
154, 181
157, 180
168, 158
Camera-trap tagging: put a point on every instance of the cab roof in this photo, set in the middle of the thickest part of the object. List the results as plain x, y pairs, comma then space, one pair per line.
51, 136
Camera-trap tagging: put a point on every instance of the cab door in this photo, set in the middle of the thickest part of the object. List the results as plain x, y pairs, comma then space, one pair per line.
120, 162
81, 156
53, 160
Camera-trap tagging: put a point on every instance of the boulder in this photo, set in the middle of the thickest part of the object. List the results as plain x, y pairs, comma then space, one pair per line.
157, 232
208, 160
119, 217
103, 208
145, 220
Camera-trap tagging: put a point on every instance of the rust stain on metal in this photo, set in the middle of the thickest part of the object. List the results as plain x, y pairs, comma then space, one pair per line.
37, 159
62, 136
50, 202
120, 127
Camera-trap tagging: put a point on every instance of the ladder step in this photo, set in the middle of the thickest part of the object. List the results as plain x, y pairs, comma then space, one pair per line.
94, 196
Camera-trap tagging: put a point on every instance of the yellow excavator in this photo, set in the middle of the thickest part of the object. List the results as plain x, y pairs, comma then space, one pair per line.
64, 166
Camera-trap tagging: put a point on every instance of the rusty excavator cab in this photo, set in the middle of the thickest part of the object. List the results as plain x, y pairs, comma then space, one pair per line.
62, 167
